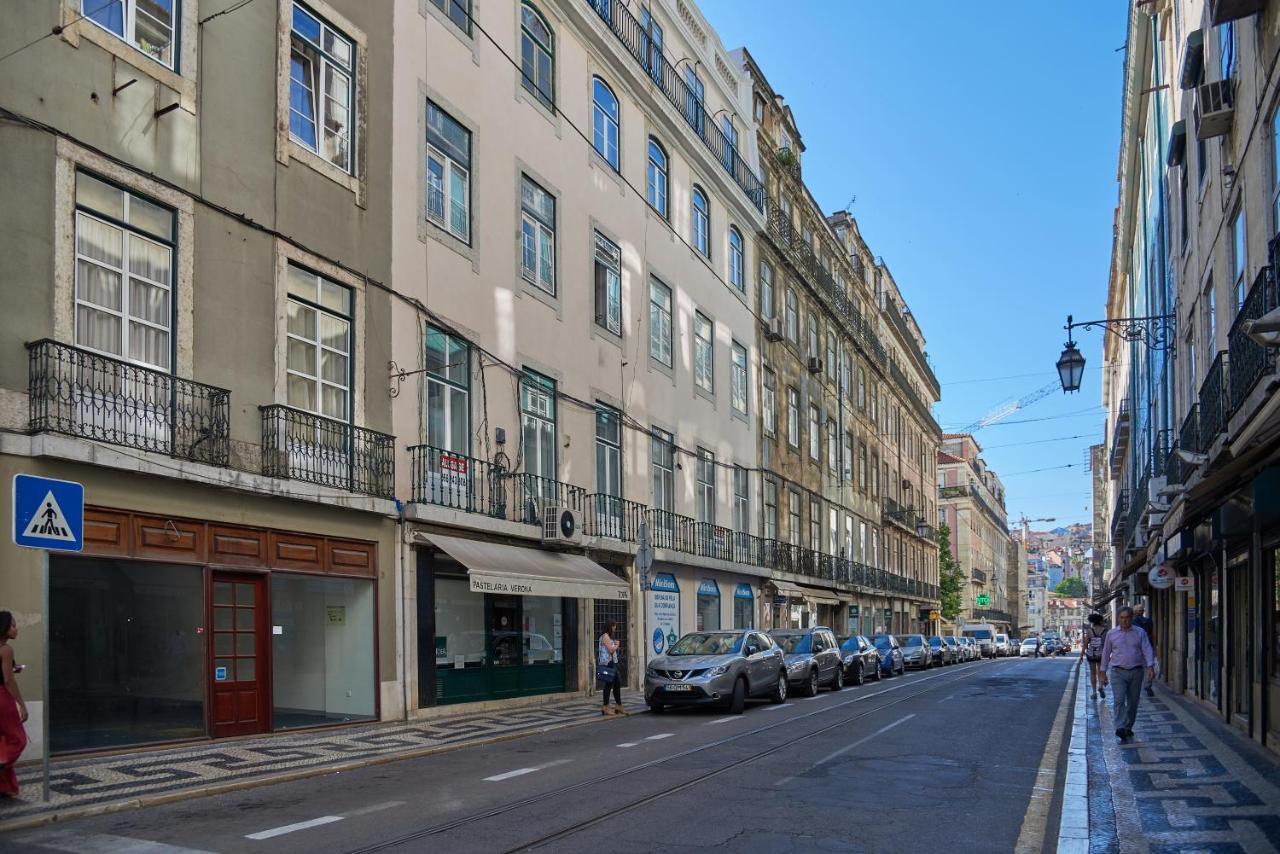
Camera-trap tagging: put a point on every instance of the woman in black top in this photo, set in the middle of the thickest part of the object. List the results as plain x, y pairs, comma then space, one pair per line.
1091, 651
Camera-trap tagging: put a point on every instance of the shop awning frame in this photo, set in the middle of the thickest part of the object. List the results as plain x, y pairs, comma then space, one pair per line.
513, 570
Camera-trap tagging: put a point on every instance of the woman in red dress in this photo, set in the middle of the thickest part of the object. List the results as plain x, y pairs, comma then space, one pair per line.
13, 711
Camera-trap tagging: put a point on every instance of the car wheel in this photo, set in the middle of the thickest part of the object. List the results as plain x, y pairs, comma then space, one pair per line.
858, 676
902, 669
657, 708
810, 687
838, 682
739, 700
779, 694
879, 673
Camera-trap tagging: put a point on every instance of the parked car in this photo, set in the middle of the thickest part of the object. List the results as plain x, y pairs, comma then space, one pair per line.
1002, 645
984, 636
1028, 648
861, 660
717, 667
891, 660
967, 649
813, 658
1049, 646
915, 651
957, 649
941, 652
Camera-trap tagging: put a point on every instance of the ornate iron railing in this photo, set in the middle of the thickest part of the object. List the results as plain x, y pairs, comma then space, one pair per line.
1249, 360
613, 517
450, 479
531, 492
303, 446
1119, 514
1213, 401
672, 531
80, 393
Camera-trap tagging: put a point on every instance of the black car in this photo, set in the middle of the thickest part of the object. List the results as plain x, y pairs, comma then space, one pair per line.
813, 658
861, 660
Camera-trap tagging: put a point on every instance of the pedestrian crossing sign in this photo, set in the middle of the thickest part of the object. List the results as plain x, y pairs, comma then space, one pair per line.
48, 513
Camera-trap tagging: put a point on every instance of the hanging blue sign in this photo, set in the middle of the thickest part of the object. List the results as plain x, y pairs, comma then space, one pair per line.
743, 591
666, 582
708, 587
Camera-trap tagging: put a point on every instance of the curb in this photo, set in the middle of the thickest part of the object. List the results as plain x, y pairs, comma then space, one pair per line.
1073, 826
72, 812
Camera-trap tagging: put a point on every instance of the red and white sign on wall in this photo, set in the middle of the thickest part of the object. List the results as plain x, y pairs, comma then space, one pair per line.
1184, 583
1162, 576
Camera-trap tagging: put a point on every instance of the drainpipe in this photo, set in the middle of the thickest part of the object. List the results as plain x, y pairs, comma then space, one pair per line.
404, 609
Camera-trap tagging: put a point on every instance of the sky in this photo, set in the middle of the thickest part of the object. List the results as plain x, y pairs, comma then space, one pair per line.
979, 143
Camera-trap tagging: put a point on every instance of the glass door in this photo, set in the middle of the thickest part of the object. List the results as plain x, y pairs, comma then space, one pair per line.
239, 678
1238, 625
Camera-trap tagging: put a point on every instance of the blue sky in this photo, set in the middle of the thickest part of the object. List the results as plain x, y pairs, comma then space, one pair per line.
980, 141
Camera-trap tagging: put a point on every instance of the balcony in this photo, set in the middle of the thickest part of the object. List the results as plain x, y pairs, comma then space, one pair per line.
613, 517
1250, 361
1160, 451
1213, 402
80, 393
1138, 504
448, 479
636, 41
978, 575
530, 492
303, 446
1120, 438
1119, 514
1179, 470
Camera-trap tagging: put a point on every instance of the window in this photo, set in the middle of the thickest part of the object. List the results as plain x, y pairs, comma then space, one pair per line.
651, 43
738, 379
537, 53
736, 277
708, 606
862, 542
846, 458
793, 317
875, 548
862, 389
321, 87
770, 531
813, 352
1183, 224
757, 108
144, 24
1210, 316
815, 434
703, 353
694, 95
741, 499
662, 463
459, 11
660, 322
701, 222
793, 512
706, 486
318, 361
608, 451
1239, 258
448, 392
875, 474
608, 277
815, 525
744, 607
538, 429
604, 122
769, 403
538, 235
766, 290
833, 364
846, 375
793, 418
124, 274
847, 547
657, 177
1227, 49
833, 530
731, 143
1275, 169
448, 173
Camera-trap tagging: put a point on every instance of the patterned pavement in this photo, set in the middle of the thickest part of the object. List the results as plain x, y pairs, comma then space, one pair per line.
1182, 784
122, 781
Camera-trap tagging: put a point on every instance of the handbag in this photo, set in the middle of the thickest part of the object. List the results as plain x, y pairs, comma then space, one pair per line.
606, 674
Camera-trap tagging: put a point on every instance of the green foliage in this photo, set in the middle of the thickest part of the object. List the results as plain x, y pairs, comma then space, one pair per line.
950, 577
1072, 586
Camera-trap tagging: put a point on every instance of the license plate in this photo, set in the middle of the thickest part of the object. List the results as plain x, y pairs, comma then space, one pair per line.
679, 687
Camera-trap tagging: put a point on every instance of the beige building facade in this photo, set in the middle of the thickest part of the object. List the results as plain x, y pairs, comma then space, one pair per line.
971, 503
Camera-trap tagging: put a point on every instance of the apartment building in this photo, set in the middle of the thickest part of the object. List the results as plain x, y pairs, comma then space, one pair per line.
971, 503
196, 304
1016, 588
1193, 434
847, 437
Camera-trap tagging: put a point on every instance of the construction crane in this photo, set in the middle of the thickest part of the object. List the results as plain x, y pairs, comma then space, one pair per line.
1025, 523
1006, 409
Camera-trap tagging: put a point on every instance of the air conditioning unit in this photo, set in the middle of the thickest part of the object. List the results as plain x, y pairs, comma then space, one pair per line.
815, 365
560, 524
1155, 487
1155, 519
1215, 109
773, 329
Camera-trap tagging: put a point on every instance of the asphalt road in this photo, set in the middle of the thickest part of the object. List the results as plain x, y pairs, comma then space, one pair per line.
941, 760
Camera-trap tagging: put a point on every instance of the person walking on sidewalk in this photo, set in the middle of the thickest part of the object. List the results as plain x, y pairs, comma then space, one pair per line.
607, 670
13, 710
1126, 655
1091, 651
1142, 621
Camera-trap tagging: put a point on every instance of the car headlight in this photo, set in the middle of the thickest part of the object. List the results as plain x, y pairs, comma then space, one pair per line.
649, 671
718, 670
799, 665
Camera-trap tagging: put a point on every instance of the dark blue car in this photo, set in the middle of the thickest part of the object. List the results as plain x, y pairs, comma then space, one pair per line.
891, 660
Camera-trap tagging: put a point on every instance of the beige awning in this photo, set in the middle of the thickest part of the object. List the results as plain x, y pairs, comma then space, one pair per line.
786, 588
826, 597
511, 570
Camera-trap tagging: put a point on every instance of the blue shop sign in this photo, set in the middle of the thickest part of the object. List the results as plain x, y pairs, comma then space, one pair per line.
708, 587
666, 582
743, 591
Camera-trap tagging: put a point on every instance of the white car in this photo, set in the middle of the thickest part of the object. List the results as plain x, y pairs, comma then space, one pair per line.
1028, 648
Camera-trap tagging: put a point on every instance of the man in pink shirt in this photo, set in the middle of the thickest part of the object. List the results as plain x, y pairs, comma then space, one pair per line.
1127, 658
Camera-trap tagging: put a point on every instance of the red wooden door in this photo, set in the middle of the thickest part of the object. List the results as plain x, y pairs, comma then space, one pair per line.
239, 661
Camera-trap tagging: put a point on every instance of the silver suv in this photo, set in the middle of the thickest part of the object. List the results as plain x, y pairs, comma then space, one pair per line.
717, 667
813, 658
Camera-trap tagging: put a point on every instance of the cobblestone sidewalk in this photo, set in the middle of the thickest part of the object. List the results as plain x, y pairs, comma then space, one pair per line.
122, 781
1181, 784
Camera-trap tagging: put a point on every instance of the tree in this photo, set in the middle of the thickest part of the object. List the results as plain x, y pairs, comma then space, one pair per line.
950, 577
1072, 586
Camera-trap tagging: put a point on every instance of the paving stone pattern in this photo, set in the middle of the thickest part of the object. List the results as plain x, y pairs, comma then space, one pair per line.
1182, 784
87, 782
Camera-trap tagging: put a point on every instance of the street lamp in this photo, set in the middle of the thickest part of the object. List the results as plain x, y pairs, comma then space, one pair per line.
1156, 331
1070, 366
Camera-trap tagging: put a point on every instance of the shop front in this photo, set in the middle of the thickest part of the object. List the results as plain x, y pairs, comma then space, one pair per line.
683, 599
498, 621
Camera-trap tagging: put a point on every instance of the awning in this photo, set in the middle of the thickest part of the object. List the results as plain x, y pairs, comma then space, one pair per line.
826, 597
498, 568
786, 588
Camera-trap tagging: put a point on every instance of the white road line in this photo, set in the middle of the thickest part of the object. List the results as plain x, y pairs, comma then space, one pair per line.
98, 843
374, 808
824, 760
290, 828
629, 744
720, 721
520, 772
659, 736
774, 708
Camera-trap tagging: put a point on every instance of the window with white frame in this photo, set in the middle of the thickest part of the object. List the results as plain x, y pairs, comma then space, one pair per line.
794, 532
793, 417
731, 142
770, 521
659, 322
537, 235
147, 25
769, 403
833, 363
538, 429
608, 451
706, 486
738, 379
793, 316
694, 95
862, 388
448, 392
448, 173
741, 499
458, 11
815, 525
662, 465
701, 221
815, 434
608, 284
1210, 311
862, 466
833, 462
124, 274
1239, 257
862, 542
833, 530
537, 55
703, 352
321, 88
766, 290
813, 352
736, 260
656, 177
604, 121
318, 355
846, 458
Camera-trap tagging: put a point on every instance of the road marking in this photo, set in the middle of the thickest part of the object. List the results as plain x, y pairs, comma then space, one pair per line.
520, 772
374, 808
290, 828
629, 744
824, 760
99, 843
1073, 823
1036, 819
659, 736
774, 708
720, 721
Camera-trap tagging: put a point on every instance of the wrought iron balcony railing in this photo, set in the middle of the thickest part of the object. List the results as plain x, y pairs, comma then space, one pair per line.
303, 446
449, 479
1249, 360
1213, 401
80, 393
613, 517
532, 492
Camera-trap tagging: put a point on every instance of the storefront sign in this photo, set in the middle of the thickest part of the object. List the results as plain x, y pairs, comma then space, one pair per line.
663, 614
337, 614
530, 586
743, 591
708, 587
1161, 576
1184, 583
